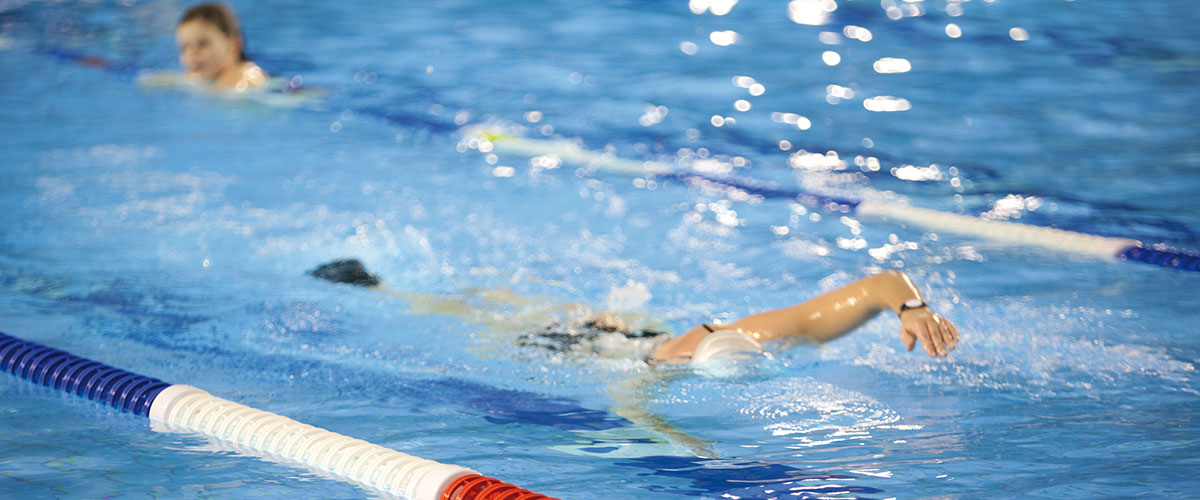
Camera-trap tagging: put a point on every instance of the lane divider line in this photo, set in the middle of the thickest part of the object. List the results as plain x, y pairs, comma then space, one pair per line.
183, 408
488, 139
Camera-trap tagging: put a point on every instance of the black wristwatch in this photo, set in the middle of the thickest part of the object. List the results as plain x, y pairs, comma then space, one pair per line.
911, 304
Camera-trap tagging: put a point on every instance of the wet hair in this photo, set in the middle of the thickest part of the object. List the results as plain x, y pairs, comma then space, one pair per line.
349, 271
220, 16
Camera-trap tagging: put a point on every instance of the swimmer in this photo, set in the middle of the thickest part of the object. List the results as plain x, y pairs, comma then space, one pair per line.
833, 315
576, 330
821, 319
213, 52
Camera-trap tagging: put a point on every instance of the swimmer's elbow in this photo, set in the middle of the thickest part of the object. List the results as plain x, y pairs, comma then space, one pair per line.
892, 275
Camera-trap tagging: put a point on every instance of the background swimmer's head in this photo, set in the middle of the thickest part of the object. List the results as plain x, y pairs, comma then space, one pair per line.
209, 41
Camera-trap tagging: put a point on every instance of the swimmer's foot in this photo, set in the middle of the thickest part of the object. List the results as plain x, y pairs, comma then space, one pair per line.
349, 271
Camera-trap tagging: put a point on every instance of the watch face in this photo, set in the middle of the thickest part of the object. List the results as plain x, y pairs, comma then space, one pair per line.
913, 303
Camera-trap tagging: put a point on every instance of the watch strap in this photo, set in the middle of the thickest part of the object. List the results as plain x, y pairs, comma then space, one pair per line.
911, 304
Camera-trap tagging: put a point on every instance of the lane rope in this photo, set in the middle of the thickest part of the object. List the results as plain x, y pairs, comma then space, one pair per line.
487, 139
183, 408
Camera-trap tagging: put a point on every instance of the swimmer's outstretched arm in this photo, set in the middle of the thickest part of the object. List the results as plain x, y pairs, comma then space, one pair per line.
837, 313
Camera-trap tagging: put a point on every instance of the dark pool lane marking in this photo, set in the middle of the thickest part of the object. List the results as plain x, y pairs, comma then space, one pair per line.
746, 479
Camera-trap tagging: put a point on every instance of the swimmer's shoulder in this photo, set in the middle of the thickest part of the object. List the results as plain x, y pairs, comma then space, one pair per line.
278, 92
247, 77
169, 80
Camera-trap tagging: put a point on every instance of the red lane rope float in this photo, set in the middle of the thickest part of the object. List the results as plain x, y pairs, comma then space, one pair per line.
479, 487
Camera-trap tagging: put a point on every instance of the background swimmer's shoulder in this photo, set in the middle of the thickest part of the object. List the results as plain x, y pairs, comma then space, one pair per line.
279, 92
171, 80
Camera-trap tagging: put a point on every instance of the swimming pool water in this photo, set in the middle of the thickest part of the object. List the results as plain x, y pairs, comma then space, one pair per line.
168, 234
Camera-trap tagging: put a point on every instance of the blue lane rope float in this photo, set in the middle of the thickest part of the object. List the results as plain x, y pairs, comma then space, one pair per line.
1164, 257
183, 408
96, 381
487, 139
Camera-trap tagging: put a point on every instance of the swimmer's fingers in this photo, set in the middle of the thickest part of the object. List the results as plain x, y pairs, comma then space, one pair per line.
908, 338
916, 325
918, 331
929, 337
943, 333
936, 334
949, 332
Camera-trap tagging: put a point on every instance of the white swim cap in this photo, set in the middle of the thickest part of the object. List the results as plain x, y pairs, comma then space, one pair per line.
726, 344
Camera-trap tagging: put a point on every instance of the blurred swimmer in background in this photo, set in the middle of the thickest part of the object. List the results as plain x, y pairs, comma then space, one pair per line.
212, 50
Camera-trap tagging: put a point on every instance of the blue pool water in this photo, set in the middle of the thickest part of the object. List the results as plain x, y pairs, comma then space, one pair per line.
168, 234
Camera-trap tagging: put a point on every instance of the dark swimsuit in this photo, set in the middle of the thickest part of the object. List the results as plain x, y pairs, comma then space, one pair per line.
572, 336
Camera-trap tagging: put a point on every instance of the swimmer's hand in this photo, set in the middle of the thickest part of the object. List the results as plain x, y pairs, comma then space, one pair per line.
937, 334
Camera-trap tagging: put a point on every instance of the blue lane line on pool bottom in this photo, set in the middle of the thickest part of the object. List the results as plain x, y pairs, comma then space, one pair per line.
65, 371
